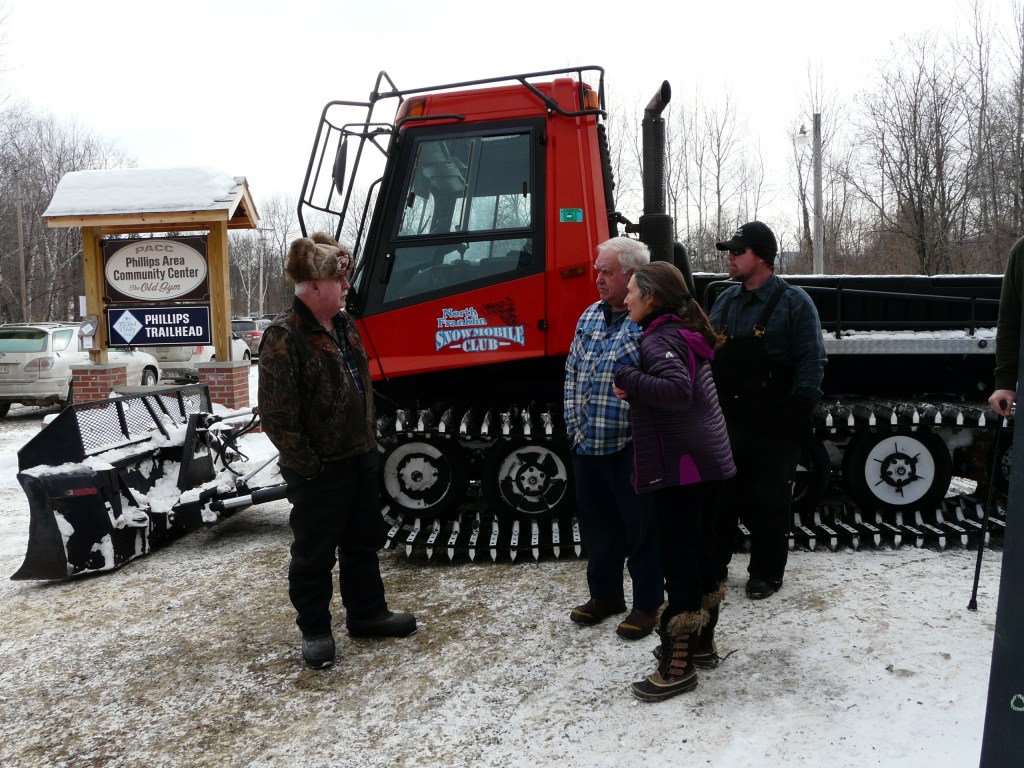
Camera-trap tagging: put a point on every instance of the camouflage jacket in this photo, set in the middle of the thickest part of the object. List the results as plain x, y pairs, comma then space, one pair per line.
309, 405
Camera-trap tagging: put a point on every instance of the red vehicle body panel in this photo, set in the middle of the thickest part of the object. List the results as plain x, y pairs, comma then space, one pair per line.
530, 317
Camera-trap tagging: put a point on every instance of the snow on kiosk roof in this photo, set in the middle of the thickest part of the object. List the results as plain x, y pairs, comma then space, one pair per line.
151, 199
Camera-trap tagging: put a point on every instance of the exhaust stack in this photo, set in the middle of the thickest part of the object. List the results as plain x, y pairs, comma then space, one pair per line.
655, 223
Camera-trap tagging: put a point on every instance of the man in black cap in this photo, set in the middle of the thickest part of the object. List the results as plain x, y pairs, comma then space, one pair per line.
768, 373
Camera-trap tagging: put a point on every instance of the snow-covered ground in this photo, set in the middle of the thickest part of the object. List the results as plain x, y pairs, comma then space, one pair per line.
189, 657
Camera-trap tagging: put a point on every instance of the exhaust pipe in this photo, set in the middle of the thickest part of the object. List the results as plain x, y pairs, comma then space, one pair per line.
655, 223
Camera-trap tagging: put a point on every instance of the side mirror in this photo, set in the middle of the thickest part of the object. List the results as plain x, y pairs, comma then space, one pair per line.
340, 162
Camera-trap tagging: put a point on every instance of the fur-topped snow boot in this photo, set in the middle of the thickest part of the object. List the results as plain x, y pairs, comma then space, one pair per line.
705, 655
676, 672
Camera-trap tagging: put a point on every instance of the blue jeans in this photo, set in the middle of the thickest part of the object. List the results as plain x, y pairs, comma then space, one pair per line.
618, 528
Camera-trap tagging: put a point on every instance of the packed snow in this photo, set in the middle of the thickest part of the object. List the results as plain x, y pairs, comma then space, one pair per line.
190, 656
139, 190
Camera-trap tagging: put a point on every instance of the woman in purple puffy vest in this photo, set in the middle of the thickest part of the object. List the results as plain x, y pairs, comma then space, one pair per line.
681, 451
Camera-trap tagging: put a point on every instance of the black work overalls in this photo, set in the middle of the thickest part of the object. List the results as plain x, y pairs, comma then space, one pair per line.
752, 388
753, 391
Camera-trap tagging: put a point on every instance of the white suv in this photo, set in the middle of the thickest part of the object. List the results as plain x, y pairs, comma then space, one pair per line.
36, 360
179, 363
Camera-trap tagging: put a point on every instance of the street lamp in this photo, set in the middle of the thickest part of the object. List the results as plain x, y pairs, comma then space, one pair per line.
818, 253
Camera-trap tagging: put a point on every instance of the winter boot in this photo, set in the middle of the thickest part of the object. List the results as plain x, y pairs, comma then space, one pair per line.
595, 611
637, 625
676, 672
318, 650
705, 655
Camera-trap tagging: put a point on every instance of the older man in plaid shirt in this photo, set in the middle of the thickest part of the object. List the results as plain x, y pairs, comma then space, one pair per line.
617, 526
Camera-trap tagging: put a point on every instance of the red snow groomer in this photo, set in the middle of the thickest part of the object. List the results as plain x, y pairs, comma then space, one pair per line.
473, 210
108, 481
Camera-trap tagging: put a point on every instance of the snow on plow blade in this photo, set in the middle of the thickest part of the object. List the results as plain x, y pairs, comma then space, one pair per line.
107, 481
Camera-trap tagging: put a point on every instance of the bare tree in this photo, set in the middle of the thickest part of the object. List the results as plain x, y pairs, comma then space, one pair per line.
1005, 148
243, 258
751, 184
914, 131
37, 151
679, 135
278, 227
723, 131
1014, 120
626, 158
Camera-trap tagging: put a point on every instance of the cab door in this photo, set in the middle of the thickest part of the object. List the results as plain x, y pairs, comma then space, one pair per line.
456, 276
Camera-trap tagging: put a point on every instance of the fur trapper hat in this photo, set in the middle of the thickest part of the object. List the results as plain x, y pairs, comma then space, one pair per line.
317, 258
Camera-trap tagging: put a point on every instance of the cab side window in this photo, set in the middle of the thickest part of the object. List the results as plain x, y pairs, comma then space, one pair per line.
468, 215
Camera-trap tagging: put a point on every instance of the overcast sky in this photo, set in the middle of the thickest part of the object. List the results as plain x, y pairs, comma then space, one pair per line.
239, 85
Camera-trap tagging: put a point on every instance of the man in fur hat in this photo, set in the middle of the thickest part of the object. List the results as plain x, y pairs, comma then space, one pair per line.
316, 406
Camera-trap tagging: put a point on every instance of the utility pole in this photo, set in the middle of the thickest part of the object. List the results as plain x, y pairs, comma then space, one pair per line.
819, 224
21, 248
818, 229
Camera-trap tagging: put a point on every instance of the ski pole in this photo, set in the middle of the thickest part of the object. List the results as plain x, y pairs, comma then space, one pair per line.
973, 604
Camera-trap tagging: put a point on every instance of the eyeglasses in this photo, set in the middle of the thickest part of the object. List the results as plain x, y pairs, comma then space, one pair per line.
737, 251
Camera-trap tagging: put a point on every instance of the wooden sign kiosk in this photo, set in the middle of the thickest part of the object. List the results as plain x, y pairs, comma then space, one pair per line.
136, 201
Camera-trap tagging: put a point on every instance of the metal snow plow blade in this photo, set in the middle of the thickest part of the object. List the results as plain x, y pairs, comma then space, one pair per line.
108, 481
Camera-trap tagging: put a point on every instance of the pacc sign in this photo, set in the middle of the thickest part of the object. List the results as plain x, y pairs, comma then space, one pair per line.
158, 326
155, 269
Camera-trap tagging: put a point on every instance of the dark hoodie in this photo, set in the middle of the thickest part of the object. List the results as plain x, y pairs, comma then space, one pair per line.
679, 434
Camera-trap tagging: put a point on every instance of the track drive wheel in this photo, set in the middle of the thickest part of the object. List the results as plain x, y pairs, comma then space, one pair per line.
424, 477
813, 475
527, 479
895, 471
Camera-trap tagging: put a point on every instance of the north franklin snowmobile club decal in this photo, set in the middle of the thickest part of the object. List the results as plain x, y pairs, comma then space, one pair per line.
464, 329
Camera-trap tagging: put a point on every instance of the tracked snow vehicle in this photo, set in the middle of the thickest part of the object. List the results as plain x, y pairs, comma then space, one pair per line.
474, 210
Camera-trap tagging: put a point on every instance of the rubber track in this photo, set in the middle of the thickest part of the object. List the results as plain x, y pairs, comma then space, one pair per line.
478, 535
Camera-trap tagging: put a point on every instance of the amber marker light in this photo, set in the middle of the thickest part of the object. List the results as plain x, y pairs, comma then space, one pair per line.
413, 107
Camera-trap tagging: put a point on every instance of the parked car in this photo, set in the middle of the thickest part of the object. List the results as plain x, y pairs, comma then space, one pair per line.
179, 363
36, 360
251, 332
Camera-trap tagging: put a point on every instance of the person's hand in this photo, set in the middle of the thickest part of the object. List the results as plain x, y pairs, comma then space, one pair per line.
295, 480
620, 372
1002, 401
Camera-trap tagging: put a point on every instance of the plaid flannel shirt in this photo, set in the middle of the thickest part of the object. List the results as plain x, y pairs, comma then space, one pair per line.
596, 420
